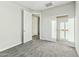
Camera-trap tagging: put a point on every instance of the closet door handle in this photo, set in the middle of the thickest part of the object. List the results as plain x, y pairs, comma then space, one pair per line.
64, 29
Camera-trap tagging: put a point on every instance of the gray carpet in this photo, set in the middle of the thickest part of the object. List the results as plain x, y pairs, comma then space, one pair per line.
40, 48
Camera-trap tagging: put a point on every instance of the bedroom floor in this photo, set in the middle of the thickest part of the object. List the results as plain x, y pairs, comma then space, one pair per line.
40, 48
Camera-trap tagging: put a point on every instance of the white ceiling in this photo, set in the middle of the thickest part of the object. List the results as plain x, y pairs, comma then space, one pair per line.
40, 5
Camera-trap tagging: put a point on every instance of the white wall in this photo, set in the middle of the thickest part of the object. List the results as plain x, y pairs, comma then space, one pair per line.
10, 25
77, 27
34, 25
48, 22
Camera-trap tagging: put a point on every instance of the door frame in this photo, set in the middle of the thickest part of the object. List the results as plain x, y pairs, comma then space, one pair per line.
39, 25
22, 26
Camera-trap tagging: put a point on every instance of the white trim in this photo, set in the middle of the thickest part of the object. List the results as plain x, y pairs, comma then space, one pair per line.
10, 47
40, 20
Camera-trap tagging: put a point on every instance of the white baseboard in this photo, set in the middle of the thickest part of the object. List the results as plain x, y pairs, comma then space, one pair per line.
48, 39
54, 40
72, 44
8, 47
77, 49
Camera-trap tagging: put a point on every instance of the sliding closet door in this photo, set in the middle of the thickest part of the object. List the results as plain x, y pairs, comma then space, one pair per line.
61, 27
27, 26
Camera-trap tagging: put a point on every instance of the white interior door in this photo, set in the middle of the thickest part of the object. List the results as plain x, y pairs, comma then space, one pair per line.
27, 26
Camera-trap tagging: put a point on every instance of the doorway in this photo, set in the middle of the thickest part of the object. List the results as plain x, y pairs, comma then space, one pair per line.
35, 27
